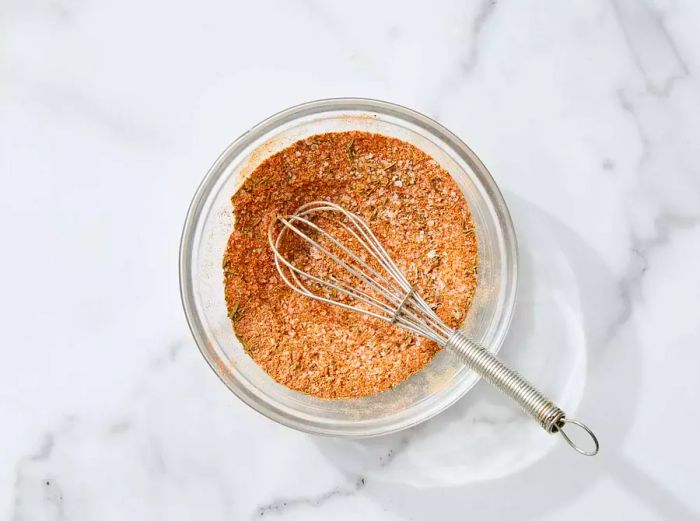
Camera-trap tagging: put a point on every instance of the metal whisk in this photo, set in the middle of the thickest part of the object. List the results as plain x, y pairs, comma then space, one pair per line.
372, 284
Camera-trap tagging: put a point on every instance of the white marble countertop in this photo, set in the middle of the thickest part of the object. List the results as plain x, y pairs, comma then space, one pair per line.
586, 113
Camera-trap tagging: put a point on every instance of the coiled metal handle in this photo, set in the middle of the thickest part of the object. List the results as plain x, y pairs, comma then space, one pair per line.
550, 417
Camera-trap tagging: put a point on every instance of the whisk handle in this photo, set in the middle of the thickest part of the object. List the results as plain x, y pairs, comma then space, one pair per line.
550, 417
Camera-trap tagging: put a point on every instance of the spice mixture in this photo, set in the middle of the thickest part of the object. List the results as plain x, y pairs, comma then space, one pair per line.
414, 208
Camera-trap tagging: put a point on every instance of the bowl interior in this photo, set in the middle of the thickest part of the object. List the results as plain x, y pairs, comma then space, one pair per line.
209, 224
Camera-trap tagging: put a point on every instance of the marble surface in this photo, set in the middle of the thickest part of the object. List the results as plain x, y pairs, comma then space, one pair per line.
587, 113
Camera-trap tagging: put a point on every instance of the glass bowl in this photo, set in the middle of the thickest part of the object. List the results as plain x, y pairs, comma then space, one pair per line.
209, 223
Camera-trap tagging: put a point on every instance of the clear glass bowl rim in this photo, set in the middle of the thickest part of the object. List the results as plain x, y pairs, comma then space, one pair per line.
319, 107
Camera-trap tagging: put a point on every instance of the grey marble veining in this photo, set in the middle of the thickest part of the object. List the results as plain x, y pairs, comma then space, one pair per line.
110, 113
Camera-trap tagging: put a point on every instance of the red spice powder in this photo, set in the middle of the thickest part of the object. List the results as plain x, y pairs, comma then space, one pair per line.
418, 213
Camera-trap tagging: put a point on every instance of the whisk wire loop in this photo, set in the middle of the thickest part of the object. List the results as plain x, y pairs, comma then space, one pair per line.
352, 269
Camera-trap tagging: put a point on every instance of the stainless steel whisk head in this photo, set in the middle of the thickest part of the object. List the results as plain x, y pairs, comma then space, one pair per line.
364, 278
379, 285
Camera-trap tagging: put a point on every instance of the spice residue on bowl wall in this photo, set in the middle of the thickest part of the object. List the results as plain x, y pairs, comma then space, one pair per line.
415, 209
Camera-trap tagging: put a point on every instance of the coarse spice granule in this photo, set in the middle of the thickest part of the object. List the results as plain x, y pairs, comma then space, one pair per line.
415, 209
